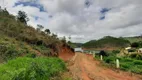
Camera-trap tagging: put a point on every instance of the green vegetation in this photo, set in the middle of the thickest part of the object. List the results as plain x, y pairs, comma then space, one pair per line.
43, 50
133, 39
107, 42
75, 45
137, 44
22, 17
31, 69
11, 48
26, 38
132, 63
18, 40
127, 64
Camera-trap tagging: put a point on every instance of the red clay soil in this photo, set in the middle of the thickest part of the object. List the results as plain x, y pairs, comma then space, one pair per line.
86, 68
66, 54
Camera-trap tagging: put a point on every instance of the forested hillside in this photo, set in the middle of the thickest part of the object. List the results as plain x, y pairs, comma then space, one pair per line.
107, 42
134, 39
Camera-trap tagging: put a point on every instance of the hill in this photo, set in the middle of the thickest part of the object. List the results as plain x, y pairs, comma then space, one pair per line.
107, 42
29, 53
134, 39
75, 45
15, 32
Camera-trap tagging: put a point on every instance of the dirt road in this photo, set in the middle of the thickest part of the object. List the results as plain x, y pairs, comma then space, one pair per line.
86, 68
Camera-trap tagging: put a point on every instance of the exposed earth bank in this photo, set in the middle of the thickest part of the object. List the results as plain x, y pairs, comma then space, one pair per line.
66, 53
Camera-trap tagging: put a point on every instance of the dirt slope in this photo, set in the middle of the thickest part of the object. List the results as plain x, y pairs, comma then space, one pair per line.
66, 54
86, 68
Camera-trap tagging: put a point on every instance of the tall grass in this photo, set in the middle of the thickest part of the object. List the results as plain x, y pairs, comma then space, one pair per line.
31, 69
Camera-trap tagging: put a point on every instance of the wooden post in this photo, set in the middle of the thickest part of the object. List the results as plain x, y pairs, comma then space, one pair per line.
101, 57
117, 63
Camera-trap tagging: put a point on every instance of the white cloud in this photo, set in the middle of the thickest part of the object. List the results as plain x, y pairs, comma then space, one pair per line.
72, 17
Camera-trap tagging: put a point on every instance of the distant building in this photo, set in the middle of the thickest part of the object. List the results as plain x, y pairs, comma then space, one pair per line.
78, 50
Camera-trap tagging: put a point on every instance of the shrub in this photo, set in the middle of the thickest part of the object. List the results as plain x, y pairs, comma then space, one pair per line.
137, 69
136, 56
43, 50
103, 53
110, 59
115, 51
125, 66
8, 52
32, 55
137, 62
135, 44
31, 69
132, 64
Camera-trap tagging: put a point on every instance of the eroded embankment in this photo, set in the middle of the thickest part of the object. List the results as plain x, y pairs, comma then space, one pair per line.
66, 53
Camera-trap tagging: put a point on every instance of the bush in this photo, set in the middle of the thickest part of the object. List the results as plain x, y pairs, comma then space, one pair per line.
31, 69
136, 56
137, 69
137, 62
31, 55
43, 50
125, 66
115, 51
8, 52
110, 59
135, 44
103, 53
126, 63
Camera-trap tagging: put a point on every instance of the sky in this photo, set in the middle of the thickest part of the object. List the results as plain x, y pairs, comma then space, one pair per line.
82, 20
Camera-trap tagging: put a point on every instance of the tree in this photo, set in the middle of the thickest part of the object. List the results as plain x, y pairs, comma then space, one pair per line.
64, 39
22, 17
0, 9
69, 37
103, 53
54, 35
135, 45
6, 12
69, 42
47, 31
39, 27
